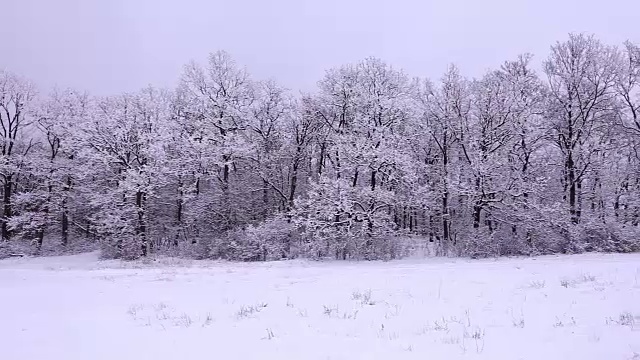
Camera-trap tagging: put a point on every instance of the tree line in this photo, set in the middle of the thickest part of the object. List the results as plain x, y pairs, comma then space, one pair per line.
374, 164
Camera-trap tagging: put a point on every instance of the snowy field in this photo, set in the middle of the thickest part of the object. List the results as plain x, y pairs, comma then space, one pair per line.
560, 307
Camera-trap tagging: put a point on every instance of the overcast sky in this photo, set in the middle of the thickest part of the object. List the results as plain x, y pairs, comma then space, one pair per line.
110, 46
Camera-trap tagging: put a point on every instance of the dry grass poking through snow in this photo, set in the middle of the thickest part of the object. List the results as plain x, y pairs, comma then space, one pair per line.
575, 307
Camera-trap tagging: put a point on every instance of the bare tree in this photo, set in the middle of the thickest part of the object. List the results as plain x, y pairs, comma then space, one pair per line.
16, 95
582, 76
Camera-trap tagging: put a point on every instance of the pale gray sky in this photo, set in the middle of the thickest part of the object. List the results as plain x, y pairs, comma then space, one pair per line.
109, 46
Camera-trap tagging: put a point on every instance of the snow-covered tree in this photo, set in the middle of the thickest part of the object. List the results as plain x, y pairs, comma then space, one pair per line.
365, 109
47, 202
124, 143
16, 98
225, 166
582, 75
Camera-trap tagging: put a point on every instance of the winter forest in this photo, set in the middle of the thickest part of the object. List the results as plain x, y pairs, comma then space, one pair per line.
373, 164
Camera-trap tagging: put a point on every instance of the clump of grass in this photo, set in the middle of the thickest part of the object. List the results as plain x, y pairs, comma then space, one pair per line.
537, 284
246, 311
560, 323
583, 278
384, 333
587, 278
441, 325
518, 321
162, 315
207, 320
134, 310
329, 311
477, 335
364, 297
624, 319
350, 315
184, 320
270, 334
423, 330
451, 340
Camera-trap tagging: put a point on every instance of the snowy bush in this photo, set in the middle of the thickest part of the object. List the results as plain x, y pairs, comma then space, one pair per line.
117, 236
341, 221
270, 240
479, 243
606, 237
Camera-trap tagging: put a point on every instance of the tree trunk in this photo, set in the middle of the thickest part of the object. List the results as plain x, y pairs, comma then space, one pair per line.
477, 206
571, 179
65, 213
338, 170
265, 199
229, 210
7, 208
179, 205
445, 218
294, 183
141, 229
477, 210
321, 158
45, 211
373, 180
446, 233
411, 221
65, 223
40, 238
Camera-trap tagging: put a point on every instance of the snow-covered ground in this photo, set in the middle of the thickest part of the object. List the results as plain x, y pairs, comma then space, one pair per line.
561, 307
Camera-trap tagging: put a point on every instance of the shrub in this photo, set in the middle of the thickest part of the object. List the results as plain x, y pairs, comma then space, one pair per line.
270, 240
